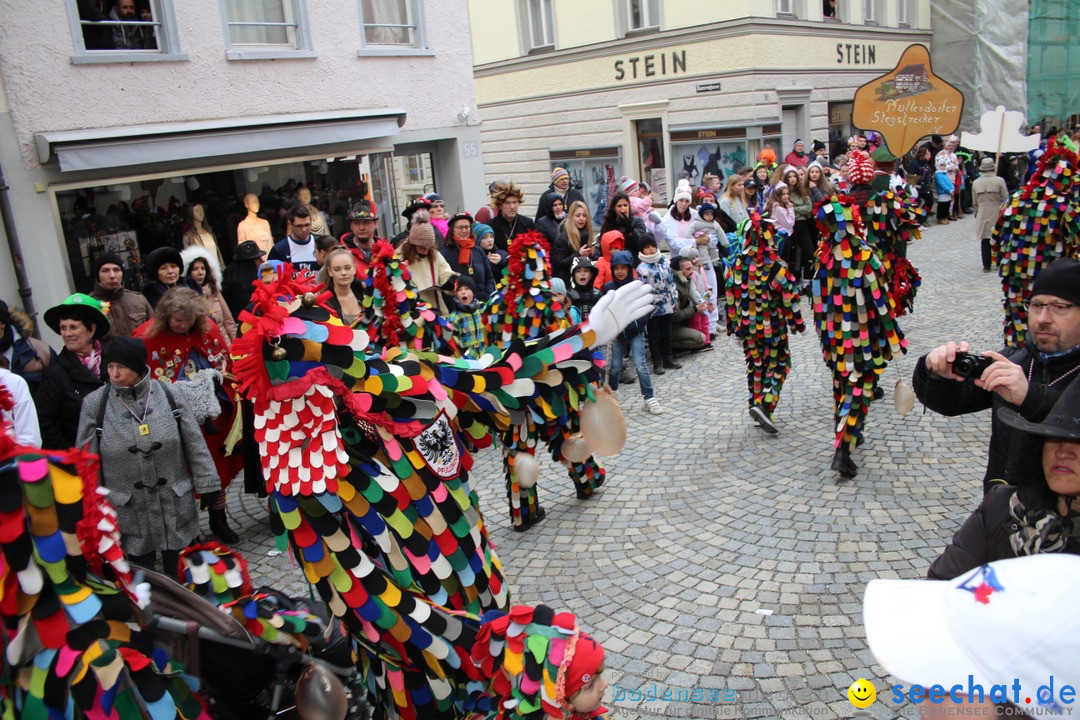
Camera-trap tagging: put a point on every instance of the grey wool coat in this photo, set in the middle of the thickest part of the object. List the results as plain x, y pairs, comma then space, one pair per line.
150, 477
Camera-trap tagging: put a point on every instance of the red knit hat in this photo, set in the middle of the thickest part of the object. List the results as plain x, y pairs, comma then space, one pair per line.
860, 169
587, 658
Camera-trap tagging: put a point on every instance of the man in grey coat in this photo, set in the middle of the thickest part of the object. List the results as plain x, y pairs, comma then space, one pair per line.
153, 457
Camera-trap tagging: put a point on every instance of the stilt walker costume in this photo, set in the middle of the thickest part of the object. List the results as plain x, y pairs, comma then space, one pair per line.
523, 308
72, 645
762, 302
1040, 224
365, 466
853, 313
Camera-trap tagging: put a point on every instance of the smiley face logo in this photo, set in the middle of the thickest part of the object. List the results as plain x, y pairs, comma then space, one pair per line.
862, 693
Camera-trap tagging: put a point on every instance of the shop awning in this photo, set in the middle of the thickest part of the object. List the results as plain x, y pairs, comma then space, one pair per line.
197, 142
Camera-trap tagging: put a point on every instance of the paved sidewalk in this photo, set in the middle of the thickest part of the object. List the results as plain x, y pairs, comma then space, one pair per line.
721, 560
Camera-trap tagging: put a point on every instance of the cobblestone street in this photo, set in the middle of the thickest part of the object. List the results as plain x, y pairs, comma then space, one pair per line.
718, 558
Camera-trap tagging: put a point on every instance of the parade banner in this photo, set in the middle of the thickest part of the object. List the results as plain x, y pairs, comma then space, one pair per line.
908, 103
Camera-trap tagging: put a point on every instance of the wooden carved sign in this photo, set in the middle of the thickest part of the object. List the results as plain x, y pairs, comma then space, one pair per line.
908, 102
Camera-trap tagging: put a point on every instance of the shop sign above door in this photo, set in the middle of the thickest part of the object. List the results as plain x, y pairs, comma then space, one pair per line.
669, 62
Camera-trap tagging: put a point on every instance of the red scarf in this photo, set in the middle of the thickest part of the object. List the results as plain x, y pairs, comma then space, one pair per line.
465, 246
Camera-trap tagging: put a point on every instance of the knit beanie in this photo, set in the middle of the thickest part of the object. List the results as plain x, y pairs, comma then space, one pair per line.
558, 174
126, 351
627, 185
682, 192
558, 287
422, 234
480, 230
860, 170
107, 258
464, 281
818, 145
1060, 278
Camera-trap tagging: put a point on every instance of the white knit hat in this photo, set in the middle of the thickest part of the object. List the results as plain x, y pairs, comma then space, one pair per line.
682, 191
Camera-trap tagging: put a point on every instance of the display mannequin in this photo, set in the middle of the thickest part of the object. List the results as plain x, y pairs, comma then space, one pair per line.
253, 227
318, 219
200, 233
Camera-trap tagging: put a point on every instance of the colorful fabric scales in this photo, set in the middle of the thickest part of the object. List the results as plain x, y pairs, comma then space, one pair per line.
522, 309
72, 646
893, 220
762, 301
853, 313
390, 533
1040, 224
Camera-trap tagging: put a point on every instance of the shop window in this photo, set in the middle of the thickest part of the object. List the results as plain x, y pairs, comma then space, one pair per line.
124, 31
595, 173
260, 29
650, 140
134, 217
643, 14
414, 176
538, 27
390, 26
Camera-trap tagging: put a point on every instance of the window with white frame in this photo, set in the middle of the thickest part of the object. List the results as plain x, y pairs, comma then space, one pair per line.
394, 23
903, 17
257, 28
643, 13
870, 10
785, 7
127, 32
541, 24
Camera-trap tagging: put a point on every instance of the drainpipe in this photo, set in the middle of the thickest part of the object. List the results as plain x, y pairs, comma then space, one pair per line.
25, 293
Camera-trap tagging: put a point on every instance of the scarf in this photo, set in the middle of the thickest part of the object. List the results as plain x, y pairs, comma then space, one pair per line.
651, 259
465, 248
1040, 530
92, 360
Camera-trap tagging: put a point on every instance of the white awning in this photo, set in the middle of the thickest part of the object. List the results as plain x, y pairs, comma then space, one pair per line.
212, 140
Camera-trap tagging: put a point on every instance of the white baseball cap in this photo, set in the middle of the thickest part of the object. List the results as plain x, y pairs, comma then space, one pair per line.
1014, 619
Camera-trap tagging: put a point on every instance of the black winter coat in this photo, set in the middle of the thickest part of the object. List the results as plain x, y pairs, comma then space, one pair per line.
60, 397
633, 229
562, 256
1012, 452
572, 195
505, 231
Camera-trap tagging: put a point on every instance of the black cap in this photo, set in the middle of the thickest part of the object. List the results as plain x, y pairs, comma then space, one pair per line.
466, 281
247, 250
1060, 278
126, 351
107, 258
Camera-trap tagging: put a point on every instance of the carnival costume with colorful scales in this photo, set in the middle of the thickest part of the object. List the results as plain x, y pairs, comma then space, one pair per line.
365, 464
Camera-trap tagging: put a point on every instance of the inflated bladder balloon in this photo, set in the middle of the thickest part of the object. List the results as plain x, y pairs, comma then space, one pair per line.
575, 449
602, 423
320, 695
526, 470
903, 398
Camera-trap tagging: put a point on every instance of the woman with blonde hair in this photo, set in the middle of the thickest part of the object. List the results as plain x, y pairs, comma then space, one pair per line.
184, 345
339, 276
575, 240
731, 210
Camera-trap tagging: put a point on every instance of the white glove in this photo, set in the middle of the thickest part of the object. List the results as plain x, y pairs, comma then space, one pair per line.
618, 309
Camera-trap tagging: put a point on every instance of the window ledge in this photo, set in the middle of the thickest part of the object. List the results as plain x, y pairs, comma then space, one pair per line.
390, 51
638, 32
830, 19
125, 56
282, 54
542, 50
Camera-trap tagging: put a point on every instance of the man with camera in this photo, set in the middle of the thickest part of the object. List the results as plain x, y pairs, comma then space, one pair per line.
951, 381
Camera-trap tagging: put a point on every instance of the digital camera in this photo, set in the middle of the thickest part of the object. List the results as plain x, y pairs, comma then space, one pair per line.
970, 365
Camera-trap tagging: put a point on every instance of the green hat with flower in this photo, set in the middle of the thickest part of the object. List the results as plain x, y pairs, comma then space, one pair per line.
90, 311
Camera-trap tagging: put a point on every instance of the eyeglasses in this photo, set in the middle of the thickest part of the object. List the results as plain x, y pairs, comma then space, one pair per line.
1057, 309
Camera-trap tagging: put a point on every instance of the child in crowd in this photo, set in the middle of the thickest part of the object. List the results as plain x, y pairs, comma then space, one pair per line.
654, 269
485, 238
558, 294
583, 293
469, 332
632, 336
709, 238
943, 188
781, 210
610, 242
700, 295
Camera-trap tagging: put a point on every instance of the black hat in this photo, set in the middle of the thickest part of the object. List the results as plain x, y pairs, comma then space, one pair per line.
646, 242
107, 258
411, 208
466, 281
162, 256
1062, 422
126, 351
750, 183
247, 250
818, 145
364, 211
1060, 278
459, 216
